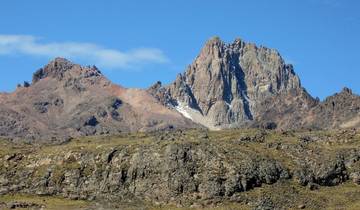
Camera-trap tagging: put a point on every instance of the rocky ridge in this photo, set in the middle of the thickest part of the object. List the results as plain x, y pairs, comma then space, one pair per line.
235, 85
341, 110
66, 100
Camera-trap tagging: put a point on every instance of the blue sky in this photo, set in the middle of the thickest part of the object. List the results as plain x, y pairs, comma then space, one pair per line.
135, 43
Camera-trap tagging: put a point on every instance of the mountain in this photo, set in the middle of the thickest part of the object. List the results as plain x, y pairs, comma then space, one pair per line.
236, 85
67, 100
233, 85
243, 85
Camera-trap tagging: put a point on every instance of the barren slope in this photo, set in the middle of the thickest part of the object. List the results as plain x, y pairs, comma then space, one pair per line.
67, 100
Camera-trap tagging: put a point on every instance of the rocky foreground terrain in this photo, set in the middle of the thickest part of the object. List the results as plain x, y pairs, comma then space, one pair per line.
230, 169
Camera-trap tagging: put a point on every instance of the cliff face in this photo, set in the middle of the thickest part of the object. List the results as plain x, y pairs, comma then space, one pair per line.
234, 85
68, 100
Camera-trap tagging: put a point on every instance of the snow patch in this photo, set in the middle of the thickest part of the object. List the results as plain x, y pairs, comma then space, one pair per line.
194, 115
182, 109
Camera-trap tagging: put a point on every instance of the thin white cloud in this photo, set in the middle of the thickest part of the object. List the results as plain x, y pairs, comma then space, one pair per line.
91, 53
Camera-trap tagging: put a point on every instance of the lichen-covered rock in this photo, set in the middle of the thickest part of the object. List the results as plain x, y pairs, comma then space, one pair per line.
355, 176
174, 172
326, 173
187, 168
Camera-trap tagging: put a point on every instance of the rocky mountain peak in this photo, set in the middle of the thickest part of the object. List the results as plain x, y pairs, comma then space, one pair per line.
227, 82
213, 48
346, 90
55, 68
61, 67
59, 61
215, 40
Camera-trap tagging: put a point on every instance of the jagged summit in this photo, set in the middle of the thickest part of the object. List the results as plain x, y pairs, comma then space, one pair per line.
213, 40
61, 61
60, 68
346, 90
237, 44
227, 83
55, 68
217, 40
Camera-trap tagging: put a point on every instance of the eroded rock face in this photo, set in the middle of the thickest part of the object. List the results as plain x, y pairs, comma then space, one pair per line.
228, 85
243, 85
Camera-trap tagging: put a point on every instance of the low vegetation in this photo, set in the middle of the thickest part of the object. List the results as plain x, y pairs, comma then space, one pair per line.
229, 169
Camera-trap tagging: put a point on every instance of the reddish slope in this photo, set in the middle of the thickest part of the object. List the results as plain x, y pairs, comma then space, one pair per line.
68, 100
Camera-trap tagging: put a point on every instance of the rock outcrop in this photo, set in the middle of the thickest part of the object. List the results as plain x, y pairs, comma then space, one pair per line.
66, 100
192, 168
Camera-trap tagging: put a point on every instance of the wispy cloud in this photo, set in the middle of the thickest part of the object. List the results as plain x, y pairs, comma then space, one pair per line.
88, 52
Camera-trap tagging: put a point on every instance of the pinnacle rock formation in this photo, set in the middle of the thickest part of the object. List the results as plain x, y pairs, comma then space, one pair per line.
236, 85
